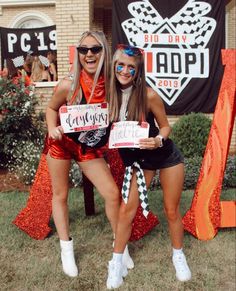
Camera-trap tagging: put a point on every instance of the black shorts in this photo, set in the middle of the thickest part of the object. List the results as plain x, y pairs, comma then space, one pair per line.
160, 158
173, 159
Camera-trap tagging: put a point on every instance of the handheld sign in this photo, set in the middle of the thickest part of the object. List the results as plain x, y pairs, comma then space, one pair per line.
126, 134
84, 117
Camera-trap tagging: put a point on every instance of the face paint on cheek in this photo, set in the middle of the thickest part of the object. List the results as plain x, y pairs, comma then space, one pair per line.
132, 72
119, 68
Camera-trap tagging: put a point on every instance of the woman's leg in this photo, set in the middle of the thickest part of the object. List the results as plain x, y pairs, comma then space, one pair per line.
127, 213
59, 171
99, 174
172, 179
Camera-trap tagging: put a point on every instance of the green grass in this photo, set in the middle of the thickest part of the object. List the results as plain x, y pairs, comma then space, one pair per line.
28, 264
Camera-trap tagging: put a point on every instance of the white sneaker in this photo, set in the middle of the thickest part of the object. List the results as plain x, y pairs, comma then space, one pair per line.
126, 259
67, 258
115, 275
183, 272
124, 271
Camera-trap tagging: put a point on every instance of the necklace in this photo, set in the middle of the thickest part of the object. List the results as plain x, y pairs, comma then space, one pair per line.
125, 99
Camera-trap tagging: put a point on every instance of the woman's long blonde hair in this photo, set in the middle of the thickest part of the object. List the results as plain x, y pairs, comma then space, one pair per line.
137, 106
102, 69
37, 70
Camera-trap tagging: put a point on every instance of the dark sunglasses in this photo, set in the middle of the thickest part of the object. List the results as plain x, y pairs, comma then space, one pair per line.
131, 51
84, 50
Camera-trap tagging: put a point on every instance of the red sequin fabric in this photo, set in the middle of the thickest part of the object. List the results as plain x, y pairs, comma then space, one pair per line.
34, 218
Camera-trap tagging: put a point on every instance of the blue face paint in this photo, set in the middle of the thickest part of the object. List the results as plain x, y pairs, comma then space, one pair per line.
132, 72
119, 68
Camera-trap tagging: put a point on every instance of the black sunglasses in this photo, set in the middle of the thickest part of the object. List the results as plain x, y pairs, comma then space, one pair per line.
84, 50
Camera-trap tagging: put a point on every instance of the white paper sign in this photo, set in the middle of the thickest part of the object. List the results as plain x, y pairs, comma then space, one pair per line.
84, 117
126, 134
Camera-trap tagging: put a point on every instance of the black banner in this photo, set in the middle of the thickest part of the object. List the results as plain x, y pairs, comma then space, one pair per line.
17, 43
182, 42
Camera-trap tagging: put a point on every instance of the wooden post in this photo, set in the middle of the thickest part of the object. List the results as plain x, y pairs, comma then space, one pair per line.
88, 196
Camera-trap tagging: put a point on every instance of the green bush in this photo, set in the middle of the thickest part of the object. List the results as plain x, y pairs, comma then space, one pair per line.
230, 173
190, 134
192, 169
18, 119
76, 178
25, 159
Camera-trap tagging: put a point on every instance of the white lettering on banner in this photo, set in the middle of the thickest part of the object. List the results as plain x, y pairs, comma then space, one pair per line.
11, 40
178, 63
84, 117
26, 40
126, 134
40, 37
25, 37
53, 37
165, 38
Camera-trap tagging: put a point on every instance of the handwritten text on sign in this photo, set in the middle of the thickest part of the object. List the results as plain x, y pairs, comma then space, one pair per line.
126, 134
84, 117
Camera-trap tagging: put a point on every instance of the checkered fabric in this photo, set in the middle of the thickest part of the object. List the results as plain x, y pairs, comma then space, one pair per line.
142, 188
190, 19
18, 61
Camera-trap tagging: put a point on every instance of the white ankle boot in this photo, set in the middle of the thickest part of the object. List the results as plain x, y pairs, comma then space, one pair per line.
68, 259
126, 259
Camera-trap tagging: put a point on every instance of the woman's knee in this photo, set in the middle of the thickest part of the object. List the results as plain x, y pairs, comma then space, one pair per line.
126, 214
112, 195
60, 197
172, 214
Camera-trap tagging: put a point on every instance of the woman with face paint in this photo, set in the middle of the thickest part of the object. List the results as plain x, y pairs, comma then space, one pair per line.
131, 100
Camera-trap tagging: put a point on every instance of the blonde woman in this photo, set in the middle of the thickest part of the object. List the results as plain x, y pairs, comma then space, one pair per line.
38, 72
131, 100
88, 83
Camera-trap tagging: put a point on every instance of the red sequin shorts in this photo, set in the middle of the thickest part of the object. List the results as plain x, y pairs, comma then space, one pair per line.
67, 149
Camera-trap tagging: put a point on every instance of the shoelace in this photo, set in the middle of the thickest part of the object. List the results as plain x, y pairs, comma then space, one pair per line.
180, 263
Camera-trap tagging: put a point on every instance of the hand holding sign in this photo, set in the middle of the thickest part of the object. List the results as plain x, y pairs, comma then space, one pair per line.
84, 117
126, 134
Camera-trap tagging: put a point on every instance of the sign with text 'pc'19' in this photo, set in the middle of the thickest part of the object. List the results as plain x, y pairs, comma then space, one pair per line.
85, 117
